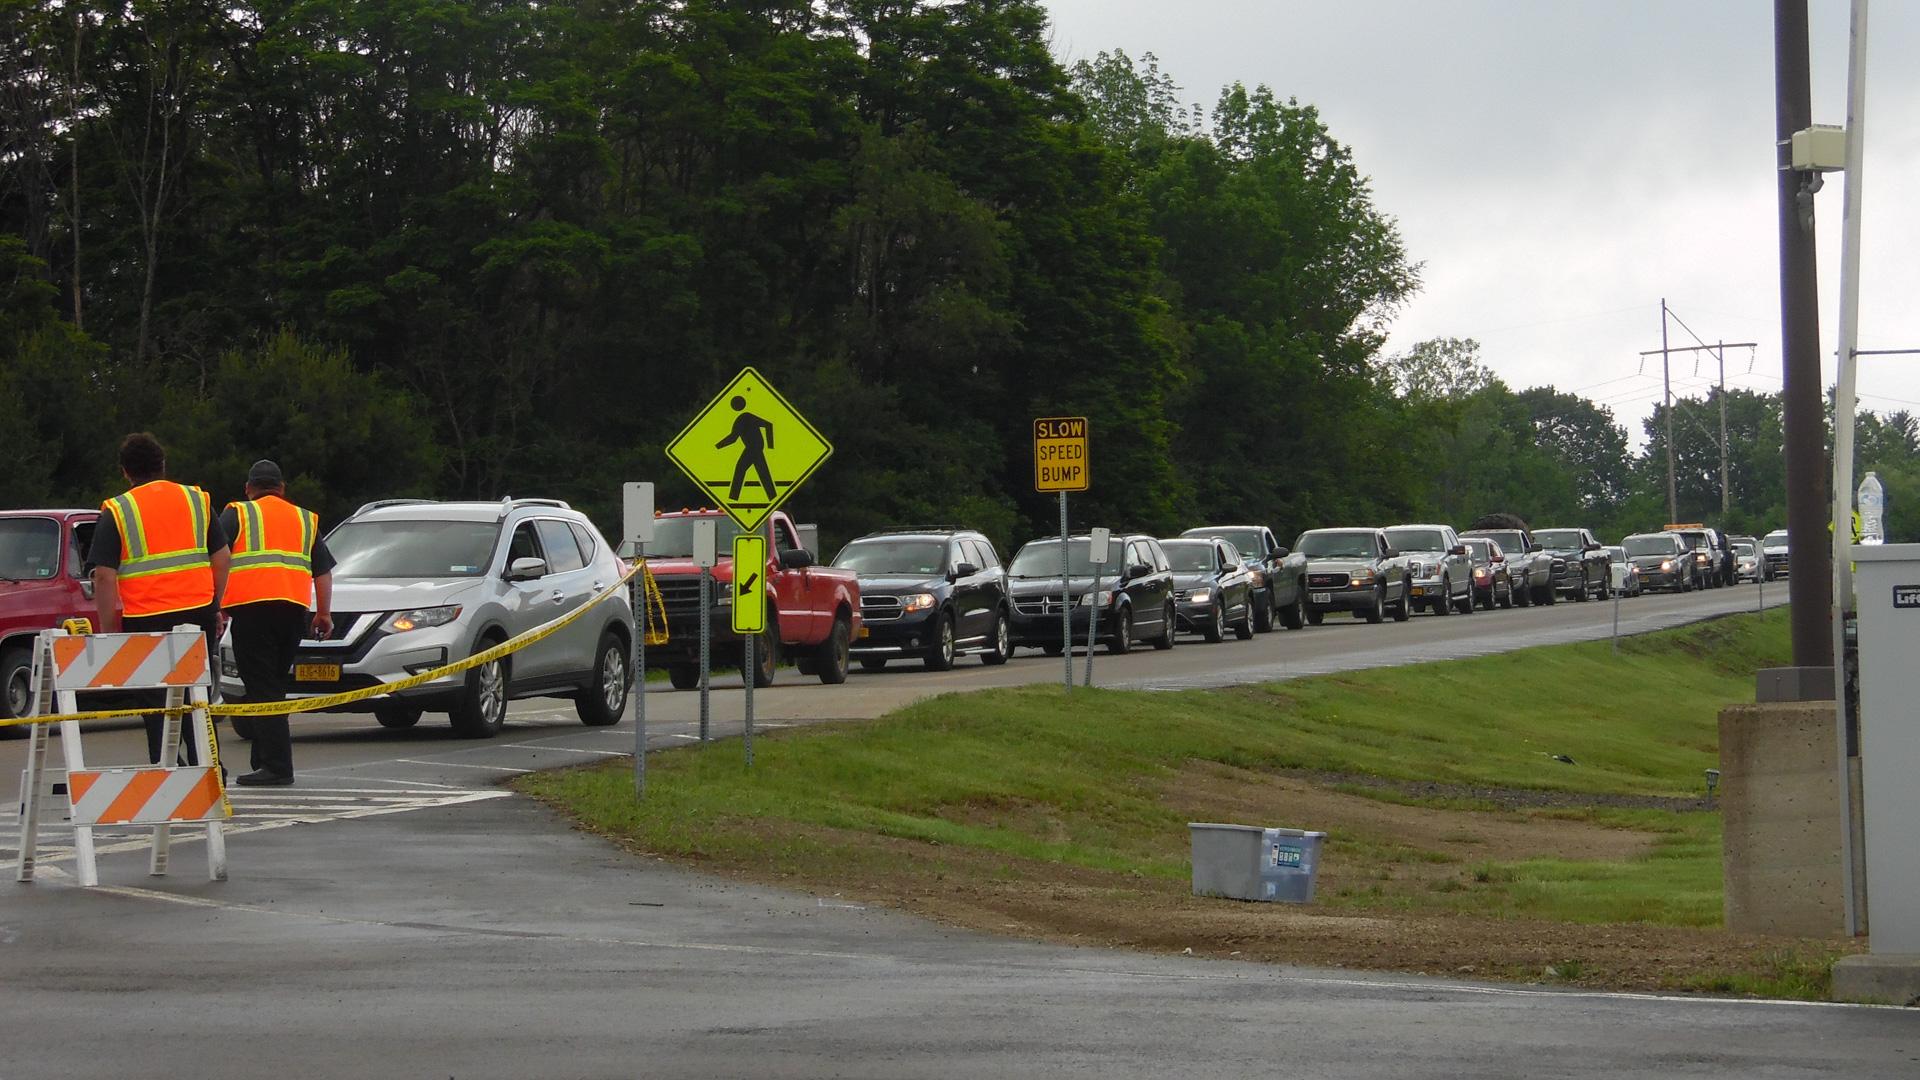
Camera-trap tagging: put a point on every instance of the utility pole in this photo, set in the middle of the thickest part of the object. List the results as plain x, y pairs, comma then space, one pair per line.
1810, 586
1665, 353
1666, 385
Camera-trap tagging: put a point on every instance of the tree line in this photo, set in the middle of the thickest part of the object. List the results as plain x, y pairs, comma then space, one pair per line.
493, 248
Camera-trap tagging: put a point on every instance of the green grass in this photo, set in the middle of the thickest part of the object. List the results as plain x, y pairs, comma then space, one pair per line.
1030, 783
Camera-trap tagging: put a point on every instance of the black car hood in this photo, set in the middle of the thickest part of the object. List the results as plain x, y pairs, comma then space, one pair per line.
1051, 586
895, 583
1198, 580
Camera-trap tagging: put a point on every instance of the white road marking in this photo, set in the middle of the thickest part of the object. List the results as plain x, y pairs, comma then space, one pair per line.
564, 749
457, 765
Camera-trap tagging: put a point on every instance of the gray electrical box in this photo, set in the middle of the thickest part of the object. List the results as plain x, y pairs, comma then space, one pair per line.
1886, 580
1248, 862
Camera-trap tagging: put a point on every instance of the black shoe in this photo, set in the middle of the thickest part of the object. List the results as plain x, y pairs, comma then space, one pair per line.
263, 778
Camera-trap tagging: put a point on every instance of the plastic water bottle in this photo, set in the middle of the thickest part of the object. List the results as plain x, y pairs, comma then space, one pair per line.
1873, 510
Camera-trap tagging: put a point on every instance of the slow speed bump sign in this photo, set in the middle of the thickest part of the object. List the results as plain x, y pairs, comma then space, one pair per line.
1060, 454
749, 583
749, 449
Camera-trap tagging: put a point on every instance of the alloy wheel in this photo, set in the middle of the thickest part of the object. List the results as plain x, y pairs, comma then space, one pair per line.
613, 679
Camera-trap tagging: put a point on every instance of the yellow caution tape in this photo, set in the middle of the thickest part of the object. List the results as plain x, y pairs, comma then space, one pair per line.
540, 633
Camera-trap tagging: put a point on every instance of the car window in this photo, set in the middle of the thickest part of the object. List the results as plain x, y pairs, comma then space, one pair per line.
1189, 557
412, 548
563, 552
584, 537
1159, 557
989, 558
783, 538
970, 552
1417, 539
29, 548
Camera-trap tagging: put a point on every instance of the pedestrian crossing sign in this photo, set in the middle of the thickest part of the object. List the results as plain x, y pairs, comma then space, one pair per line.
749, 450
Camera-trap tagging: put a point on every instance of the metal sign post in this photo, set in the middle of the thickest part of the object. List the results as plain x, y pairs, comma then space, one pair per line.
637, 527
704, 556
1060, 464
1616, 608
749, 612
1099, 541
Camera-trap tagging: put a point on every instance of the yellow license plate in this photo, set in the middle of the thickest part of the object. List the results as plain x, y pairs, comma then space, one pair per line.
316, 672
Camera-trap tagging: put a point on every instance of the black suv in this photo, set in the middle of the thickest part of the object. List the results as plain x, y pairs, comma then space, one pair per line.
1582, 567
1279, 577
935, 594
1135, 595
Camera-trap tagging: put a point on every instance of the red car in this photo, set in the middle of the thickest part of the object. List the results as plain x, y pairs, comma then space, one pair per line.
43, 583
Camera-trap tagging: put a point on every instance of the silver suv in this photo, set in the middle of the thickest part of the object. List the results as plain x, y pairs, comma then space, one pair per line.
419, 584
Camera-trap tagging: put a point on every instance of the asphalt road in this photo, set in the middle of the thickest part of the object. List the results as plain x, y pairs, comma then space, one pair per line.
397, 914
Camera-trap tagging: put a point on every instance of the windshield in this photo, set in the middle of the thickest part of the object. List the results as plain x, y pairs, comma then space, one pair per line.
1191, 557
1417, 539
1616, 553
1041, 559
29, 549
1508, 541
1566, 539
1247, 540
413, 549
1480, 550
1649, 545
1348, 544
1775, 539
921, 558
1743, 547
673, 537
1694, 539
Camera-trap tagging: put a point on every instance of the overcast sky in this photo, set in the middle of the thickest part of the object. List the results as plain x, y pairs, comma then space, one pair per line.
1561, 165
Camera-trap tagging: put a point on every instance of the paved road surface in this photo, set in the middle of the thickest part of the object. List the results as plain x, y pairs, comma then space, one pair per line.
397, 915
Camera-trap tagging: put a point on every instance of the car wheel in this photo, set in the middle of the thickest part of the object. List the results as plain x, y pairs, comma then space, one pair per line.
766, 654
481, 710
1403, 610
1506, 598
1169, 625
1294, 616
1216, 629
1606, 589
940, 657
1444, 605
1121, 640
873, 663
1002, 650
833, 656
1315, 616
396, 717
1466, 602
1244, 629
684, 676
1262, 613
16, 687
1522, 596
1377, 614
602, 702
1548, 596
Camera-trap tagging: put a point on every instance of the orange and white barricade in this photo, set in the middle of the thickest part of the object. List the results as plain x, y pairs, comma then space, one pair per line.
158, 795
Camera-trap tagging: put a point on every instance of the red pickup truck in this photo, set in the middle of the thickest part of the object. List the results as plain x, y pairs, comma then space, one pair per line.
813, 611
43, 583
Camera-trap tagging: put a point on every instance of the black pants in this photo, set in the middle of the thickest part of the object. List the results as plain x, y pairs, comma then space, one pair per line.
266, 635
203, 618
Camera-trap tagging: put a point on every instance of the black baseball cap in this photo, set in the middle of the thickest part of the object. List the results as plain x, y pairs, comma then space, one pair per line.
265, 474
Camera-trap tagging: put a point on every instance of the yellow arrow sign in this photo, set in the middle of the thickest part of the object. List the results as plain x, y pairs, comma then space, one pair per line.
749, 449
749, 583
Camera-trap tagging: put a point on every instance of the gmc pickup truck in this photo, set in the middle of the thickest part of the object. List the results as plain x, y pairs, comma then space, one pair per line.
43, 583
813, 611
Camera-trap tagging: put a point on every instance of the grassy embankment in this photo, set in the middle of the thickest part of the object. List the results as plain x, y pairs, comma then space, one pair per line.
1442, 786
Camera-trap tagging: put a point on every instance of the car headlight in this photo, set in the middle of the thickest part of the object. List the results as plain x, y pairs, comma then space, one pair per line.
1256, 578
1095, 599
1361, 577
1666, 565
920, 601
1201, 596
420, 618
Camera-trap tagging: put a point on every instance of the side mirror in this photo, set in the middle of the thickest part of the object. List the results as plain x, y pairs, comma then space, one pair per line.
796, 559
1281, 553
1457, 549
527, 569
1593, 547
1138, 569
1536, 546
965, 569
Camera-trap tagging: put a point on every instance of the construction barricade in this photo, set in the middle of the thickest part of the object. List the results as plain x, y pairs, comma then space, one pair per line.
76, 795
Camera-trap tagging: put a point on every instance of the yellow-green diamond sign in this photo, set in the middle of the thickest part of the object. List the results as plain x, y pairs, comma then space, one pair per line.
749, 449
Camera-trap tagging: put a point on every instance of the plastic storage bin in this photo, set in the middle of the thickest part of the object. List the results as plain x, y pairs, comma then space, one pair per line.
1248, 862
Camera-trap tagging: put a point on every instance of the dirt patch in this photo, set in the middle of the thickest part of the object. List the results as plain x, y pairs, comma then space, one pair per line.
1510, 798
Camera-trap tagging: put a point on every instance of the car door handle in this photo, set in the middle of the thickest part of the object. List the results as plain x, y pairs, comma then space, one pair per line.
559, 596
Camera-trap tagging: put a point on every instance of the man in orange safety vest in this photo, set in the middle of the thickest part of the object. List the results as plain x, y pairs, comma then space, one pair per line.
280, 563
159, 559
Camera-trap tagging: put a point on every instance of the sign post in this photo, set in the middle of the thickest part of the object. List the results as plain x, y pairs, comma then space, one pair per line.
1099, 542
637, 527
1060, 465
749, 450
704, 557
749, 612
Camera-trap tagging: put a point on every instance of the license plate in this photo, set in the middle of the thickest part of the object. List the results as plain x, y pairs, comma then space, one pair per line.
1419, 591
316, 672
1321, 598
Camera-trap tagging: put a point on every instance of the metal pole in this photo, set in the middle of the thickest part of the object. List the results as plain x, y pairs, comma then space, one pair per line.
706, 647
1803, 389
1616, 613
1725, 491
1093, 616
747, 680
1066, 599
638, 592
1844, 404
1666, 383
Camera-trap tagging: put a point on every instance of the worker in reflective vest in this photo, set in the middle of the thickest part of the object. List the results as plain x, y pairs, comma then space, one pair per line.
279, 565
159, 559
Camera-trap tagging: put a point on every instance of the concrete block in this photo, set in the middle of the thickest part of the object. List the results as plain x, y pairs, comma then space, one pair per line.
1780, 820
1794, 684
1879, 979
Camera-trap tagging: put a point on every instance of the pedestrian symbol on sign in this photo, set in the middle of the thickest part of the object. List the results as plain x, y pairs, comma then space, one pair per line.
749, 449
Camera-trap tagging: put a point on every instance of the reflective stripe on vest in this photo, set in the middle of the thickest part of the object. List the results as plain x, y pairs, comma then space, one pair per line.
164, 562
272, 553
